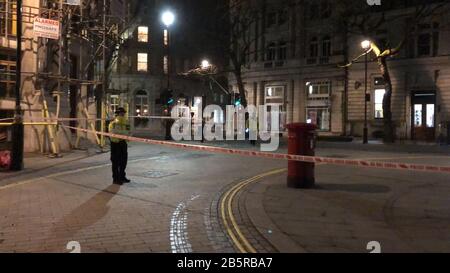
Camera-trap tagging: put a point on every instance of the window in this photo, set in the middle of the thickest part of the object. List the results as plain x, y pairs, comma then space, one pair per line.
319, 116
274, 92
166, 64
141, 108
317, 91
424, 45
270, 52
379, 97
430, 115
8, 18
313, 11
142, 62
326, 46
166, 37
274, 99
318, 104
7, 77
283, 16
271, 19
325, 9
418, 115
143, 34
114, 103
313, 48
282, 51
427, 42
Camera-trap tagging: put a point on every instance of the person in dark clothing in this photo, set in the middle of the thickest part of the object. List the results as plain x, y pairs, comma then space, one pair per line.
119, 147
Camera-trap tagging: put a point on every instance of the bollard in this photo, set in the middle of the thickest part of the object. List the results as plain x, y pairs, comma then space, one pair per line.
301, 142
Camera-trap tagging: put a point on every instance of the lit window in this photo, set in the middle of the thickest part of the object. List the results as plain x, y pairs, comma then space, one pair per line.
418, 118
166, 37
275, 92
114, 103
8, 78
166, 64
143, 34
141, 108
8, 18
430, 115
319, 116
319, 91
142, 62
379, 97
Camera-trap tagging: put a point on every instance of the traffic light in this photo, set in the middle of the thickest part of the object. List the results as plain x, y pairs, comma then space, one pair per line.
237, 99
167, 98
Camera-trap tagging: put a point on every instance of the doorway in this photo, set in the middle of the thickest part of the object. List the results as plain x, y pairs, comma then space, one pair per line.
423, 115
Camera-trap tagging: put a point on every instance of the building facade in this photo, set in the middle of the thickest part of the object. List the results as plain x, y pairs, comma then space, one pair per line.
297, 61
152, 60
61, 76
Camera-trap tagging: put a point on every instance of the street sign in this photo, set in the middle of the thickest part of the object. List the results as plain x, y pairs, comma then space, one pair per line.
73, 2
46, 28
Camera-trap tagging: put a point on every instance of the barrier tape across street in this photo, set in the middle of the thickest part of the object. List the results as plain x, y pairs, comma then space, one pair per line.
279, 156
87, 119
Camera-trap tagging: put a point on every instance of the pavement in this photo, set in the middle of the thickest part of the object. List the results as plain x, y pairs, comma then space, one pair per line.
182, 201
350, 207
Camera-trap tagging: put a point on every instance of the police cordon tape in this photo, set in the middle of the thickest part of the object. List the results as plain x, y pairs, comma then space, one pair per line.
89, 119
279, 156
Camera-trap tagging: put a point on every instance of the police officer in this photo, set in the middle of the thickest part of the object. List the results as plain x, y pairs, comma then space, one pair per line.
119, 147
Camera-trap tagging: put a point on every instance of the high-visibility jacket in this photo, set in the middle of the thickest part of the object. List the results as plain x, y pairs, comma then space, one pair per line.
120, 126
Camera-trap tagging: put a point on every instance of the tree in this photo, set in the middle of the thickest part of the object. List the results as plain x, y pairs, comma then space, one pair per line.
234, 33
361, 19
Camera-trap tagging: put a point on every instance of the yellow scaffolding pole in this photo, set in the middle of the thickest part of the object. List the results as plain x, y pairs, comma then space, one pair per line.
50, 131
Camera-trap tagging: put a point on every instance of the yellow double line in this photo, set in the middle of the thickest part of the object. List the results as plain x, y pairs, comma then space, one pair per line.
227, 216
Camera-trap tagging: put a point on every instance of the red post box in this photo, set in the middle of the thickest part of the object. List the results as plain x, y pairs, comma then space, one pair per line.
302, 141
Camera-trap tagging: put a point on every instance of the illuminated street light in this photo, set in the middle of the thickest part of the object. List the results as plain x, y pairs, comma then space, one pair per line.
366, 44
205, 64
168, 18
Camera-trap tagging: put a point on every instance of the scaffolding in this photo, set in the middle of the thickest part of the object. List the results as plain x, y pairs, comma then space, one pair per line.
93, 28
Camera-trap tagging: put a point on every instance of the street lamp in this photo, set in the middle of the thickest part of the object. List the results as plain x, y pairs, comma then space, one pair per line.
17, 128
366, 45
168, 18
205, 64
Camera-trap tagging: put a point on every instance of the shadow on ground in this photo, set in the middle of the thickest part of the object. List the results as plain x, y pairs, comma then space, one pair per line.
354, 188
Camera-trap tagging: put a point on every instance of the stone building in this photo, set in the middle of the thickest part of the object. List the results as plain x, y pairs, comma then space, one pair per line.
153, 59
296, 59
